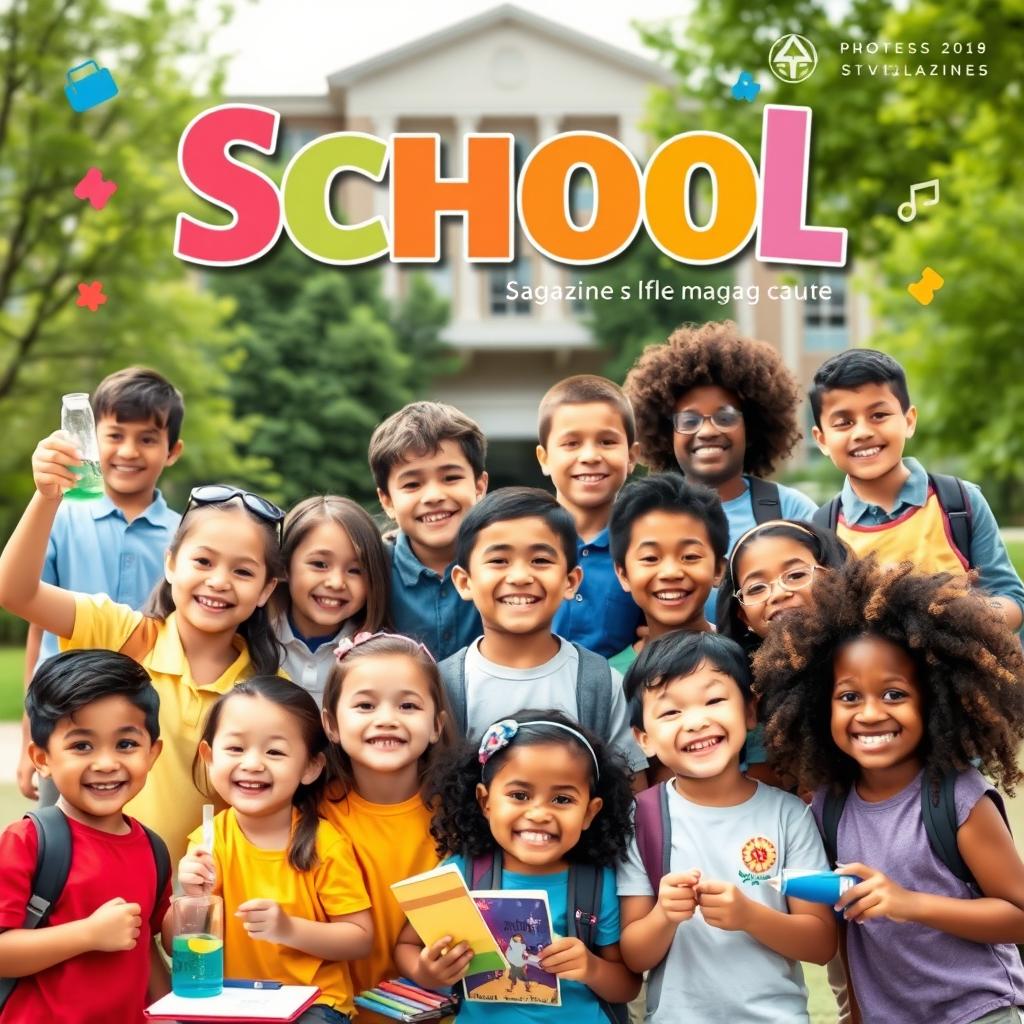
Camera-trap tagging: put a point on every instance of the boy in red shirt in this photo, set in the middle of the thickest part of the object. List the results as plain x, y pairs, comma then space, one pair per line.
94, 723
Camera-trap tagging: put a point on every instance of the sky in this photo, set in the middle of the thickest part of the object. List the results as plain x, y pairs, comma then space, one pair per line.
290, 46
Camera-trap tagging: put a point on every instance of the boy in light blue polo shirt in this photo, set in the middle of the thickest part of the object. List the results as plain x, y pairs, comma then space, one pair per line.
427, 460
116, 544
588, 448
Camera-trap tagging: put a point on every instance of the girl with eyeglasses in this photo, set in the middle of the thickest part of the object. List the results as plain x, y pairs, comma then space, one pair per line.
204, 627
770, 574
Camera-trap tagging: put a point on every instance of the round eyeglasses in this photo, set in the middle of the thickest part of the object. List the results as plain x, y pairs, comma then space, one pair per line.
797, 578
690, 421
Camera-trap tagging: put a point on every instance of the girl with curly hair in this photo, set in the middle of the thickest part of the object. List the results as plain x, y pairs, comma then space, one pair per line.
723, 409
538, 798
892, 689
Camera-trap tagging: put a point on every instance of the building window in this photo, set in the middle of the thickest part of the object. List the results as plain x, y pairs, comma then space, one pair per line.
518, 270
826, 328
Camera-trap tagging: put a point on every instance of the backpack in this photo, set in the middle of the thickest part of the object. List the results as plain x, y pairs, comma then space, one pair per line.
938, 810
764, 500
654, 833
53, 863
594, 690
954, 502
583, 900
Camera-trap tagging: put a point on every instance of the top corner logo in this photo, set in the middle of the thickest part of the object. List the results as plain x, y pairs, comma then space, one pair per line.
792, 58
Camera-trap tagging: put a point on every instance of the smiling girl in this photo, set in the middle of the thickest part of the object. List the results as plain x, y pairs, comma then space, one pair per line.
895, 688
338, 584
204, 628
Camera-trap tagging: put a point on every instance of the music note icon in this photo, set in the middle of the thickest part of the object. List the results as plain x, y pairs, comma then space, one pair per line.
908, 211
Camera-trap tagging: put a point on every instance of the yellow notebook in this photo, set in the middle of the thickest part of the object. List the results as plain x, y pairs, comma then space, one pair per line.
437, 904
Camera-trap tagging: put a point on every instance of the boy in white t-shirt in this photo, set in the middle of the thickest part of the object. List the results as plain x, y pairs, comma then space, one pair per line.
516, 561
733, 943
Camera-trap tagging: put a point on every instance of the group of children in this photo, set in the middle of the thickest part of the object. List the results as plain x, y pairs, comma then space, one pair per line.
647, 698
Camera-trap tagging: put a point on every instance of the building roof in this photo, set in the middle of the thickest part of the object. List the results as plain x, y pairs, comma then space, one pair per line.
564, 34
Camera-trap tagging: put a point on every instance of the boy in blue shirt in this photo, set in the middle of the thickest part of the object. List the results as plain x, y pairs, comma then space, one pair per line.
427, 460
114, 545
588, 447
723, 409
890, 505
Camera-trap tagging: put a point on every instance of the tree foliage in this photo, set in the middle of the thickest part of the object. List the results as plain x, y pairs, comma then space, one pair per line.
50, 241
325, 359
874, 134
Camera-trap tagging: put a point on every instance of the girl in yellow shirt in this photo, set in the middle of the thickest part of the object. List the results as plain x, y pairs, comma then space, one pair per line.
386, 714
295, 906
204, 627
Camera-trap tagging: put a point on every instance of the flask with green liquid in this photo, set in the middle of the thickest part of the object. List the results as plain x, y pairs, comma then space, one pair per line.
76, 420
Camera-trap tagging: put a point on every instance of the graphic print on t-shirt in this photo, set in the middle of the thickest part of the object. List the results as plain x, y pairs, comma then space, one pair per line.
759, 856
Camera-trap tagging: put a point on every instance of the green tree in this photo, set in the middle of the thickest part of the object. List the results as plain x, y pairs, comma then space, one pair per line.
50, 241
626, 326
874, 134
326, 358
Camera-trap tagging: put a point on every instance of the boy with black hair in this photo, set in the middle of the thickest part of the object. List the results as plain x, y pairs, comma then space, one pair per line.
516, 561
668, 542
890, 504
114, 545
587, 445
427, 461
723, 409
94, 720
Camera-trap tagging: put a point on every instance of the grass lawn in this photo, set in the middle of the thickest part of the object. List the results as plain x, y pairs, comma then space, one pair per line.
12, 669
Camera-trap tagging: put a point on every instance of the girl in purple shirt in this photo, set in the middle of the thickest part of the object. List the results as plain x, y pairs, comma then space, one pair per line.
892, 681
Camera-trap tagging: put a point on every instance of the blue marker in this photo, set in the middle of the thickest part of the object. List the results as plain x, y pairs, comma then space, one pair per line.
249, 983
813, 886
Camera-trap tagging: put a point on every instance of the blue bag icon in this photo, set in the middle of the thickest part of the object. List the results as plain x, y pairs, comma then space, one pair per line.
92, 89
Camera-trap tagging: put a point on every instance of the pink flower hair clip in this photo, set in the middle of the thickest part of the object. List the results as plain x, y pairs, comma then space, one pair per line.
349, 644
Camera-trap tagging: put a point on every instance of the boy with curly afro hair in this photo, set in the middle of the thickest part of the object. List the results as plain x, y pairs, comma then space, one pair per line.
893, 689
723, 409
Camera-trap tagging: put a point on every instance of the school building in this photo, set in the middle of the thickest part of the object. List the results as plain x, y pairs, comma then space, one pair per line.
514, 71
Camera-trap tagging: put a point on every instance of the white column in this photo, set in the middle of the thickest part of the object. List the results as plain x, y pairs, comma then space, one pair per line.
384, 128
468, 276
546, 272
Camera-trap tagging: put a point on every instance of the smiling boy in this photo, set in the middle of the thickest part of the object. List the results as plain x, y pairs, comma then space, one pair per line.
690, 706
668, 542
890, 504
114, 545
588, 447
95, 732
516, 561
427, 461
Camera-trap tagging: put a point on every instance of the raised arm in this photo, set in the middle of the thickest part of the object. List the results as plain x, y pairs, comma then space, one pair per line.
22, 592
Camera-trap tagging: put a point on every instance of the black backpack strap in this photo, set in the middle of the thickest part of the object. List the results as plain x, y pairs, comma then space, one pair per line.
827, 517
583, 905
831, 812
162, 858
764, 500
53, 864
956, 507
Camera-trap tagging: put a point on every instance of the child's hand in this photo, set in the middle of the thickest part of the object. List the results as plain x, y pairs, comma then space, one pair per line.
876, 896
265, 920
723, 906
50, 462
197, 872
115, 925
442, 965
568, 958
677, 897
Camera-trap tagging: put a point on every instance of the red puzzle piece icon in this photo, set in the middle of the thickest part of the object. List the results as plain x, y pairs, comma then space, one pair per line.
95, 188
91, 295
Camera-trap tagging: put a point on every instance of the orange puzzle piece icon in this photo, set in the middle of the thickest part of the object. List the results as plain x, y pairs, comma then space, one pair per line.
925, 289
